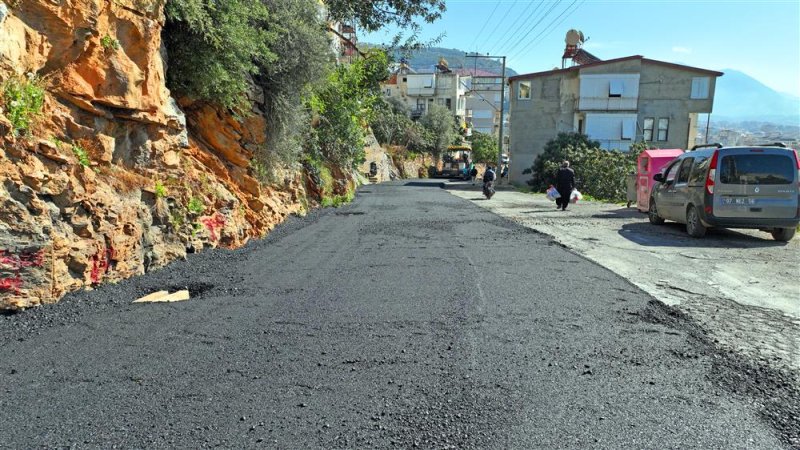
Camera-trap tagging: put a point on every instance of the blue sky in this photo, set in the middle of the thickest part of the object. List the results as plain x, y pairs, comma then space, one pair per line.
758, 37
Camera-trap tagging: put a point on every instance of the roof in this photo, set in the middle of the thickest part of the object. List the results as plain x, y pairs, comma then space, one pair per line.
612, 61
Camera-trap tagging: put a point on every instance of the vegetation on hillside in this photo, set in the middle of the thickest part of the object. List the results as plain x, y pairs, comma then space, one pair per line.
226, 52
21, 101
599, 173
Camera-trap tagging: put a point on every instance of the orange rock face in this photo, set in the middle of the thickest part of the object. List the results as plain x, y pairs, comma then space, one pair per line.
114, 179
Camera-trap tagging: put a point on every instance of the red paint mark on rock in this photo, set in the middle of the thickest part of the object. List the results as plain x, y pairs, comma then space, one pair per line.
101, 262
212, 224
14, 284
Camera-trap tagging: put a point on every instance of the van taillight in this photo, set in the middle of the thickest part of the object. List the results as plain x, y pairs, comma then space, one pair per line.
712, 173
797, 160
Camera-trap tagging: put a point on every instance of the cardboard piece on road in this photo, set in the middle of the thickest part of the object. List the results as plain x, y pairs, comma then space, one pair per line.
164, 297
151, 297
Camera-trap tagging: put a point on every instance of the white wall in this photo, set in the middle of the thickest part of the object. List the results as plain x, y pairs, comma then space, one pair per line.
608, 129
595, 90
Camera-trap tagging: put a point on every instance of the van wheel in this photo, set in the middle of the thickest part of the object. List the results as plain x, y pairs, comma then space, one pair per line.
783, 234
652, 213
694, 226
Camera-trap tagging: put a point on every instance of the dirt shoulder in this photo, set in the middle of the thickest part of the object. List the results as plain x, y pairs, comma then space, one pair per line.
740, 286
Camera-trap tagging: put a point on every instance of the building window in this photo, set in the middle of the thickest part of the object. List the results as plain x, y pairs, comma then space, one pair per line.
615, 88
663, 129
524, 92
647, 129
700, 87
405, 80
388, 92
628, 129
448, 104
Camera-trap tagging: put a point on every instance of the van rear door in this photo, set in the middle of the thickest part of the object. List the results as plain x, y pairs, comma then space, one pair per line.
756, 183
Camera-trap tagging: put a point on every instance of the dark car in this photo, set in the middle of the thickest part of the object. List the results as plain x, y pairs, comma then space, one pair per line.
731, 187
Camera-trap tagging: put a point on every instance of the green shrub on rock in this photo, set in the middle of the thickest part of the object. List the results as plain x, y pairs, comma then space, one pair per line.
23, 99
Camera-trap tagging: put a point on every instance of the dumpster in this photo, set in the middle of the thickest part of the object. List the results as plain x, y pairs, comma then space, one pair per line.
650, 163
630, 189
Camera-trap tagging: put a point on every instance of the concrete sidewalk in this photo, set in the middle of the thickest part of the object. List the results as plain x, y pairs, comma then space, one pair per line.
741, 285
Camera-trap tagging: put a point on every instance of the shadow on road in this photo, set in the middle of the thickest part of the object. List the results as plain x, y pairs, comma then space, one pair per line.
426, 183
674, 235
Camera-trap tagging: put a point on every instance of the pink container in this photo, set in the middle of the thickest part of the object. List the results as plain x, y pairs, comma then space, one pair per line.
650, 163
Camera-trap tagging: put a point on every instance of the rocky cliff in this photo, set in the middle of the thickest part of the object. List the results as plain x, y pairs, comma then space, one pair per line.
114, 177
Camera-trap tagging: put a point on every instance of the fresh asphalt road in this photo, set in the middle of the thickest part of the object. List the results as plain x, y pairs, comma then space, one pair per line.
410, 318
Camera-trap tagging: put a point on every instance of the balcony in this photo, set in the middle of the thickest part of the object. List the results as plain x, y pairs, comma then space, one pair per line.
608, 103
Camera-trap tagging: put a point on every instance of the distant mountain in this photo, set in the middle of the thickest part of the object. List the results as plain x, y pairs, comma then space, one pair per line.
429, 57
739, 96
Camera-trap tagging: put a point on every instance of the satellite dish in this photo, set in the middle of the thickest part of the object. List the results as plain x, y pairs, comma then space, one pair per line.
574, 38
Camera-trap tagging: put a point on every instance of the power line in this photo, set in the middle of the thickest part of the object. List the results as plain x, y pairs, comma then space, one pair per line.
547, 13
513, 26
504, 17
484, 24
527, 19
552, 26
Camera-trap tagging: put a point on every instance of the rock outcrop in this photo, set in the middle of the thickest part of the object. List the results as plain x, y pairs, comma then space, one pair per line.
115, 177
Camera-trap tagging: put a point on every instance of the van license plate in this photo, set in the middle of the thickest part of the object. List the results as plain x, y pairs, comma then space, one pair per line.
739, 201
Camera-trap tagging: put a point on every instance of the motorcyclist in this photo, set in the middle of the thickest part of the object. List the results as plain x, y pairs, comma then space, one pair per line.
489, 176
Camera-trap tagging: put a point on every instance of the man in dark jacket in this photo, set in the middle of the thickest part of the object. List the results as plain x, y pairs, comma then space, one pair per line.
565, 183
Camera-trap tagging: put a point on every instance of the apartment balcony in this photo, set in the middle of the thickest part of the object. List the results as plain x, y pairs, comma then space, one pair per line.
416, 113
608, 103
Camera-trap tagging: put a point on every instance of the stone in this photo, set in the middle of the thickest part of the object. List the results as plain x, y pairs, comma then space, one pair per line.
106, 148
172, 159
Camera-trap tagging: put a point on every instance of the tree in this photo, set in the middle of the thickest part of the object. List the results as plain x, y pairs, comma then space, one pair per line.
484, 148
376, 14
343, 107
390, 121
214, 46
440, 123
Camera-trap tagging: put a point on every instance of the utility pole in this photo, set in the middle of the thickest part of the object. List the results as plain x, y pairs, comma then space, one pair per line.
502, 99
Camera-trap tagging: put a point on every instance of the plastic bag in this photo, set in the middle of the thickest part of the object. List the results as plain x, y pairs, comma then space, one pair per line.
552, 193
575, 196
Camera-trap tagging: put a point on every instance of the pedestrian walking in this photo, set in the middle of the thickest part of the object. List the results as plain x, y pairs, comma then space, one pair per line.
565, 183
504, 174
473, 174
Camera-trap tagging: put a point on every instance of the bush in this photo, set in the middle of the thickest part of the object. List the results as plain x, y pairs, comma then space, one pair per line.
109, 43
599, 173
81, 154
343, 107
23, 99
195, 206
214, 47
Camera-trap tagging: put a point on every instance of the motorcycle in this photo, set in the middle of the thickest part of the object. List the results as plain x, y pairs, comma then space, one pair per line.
488, 189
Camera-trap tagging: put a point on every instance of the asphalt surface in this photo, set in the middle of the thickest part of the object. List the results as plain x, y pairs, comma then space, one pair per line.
410, 318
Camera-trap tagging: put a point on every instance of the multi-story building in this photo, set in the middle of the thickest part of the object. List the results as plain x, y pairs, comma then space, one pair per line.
484, 102
617, 102
419, 90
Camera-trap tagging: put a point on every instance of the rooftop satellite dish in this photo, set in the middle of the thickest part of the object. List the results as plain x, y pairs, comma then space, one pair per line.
574, 38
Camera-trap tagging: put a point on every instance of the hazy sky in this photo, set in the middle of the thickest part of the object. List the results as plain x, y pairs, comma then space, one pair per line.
758, 37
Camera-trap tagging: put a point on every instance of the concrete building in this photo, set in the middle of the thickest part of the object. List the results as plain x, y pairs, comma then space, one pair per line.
617, 102
484, 100
419, 90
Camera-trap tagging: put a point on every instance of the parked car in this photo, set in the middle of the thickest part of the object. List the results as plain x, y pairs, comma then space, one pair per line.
731, 187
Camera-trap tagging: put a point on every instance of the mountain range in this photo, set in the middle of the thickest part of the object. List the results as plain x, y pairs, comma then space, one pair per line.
738, 96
